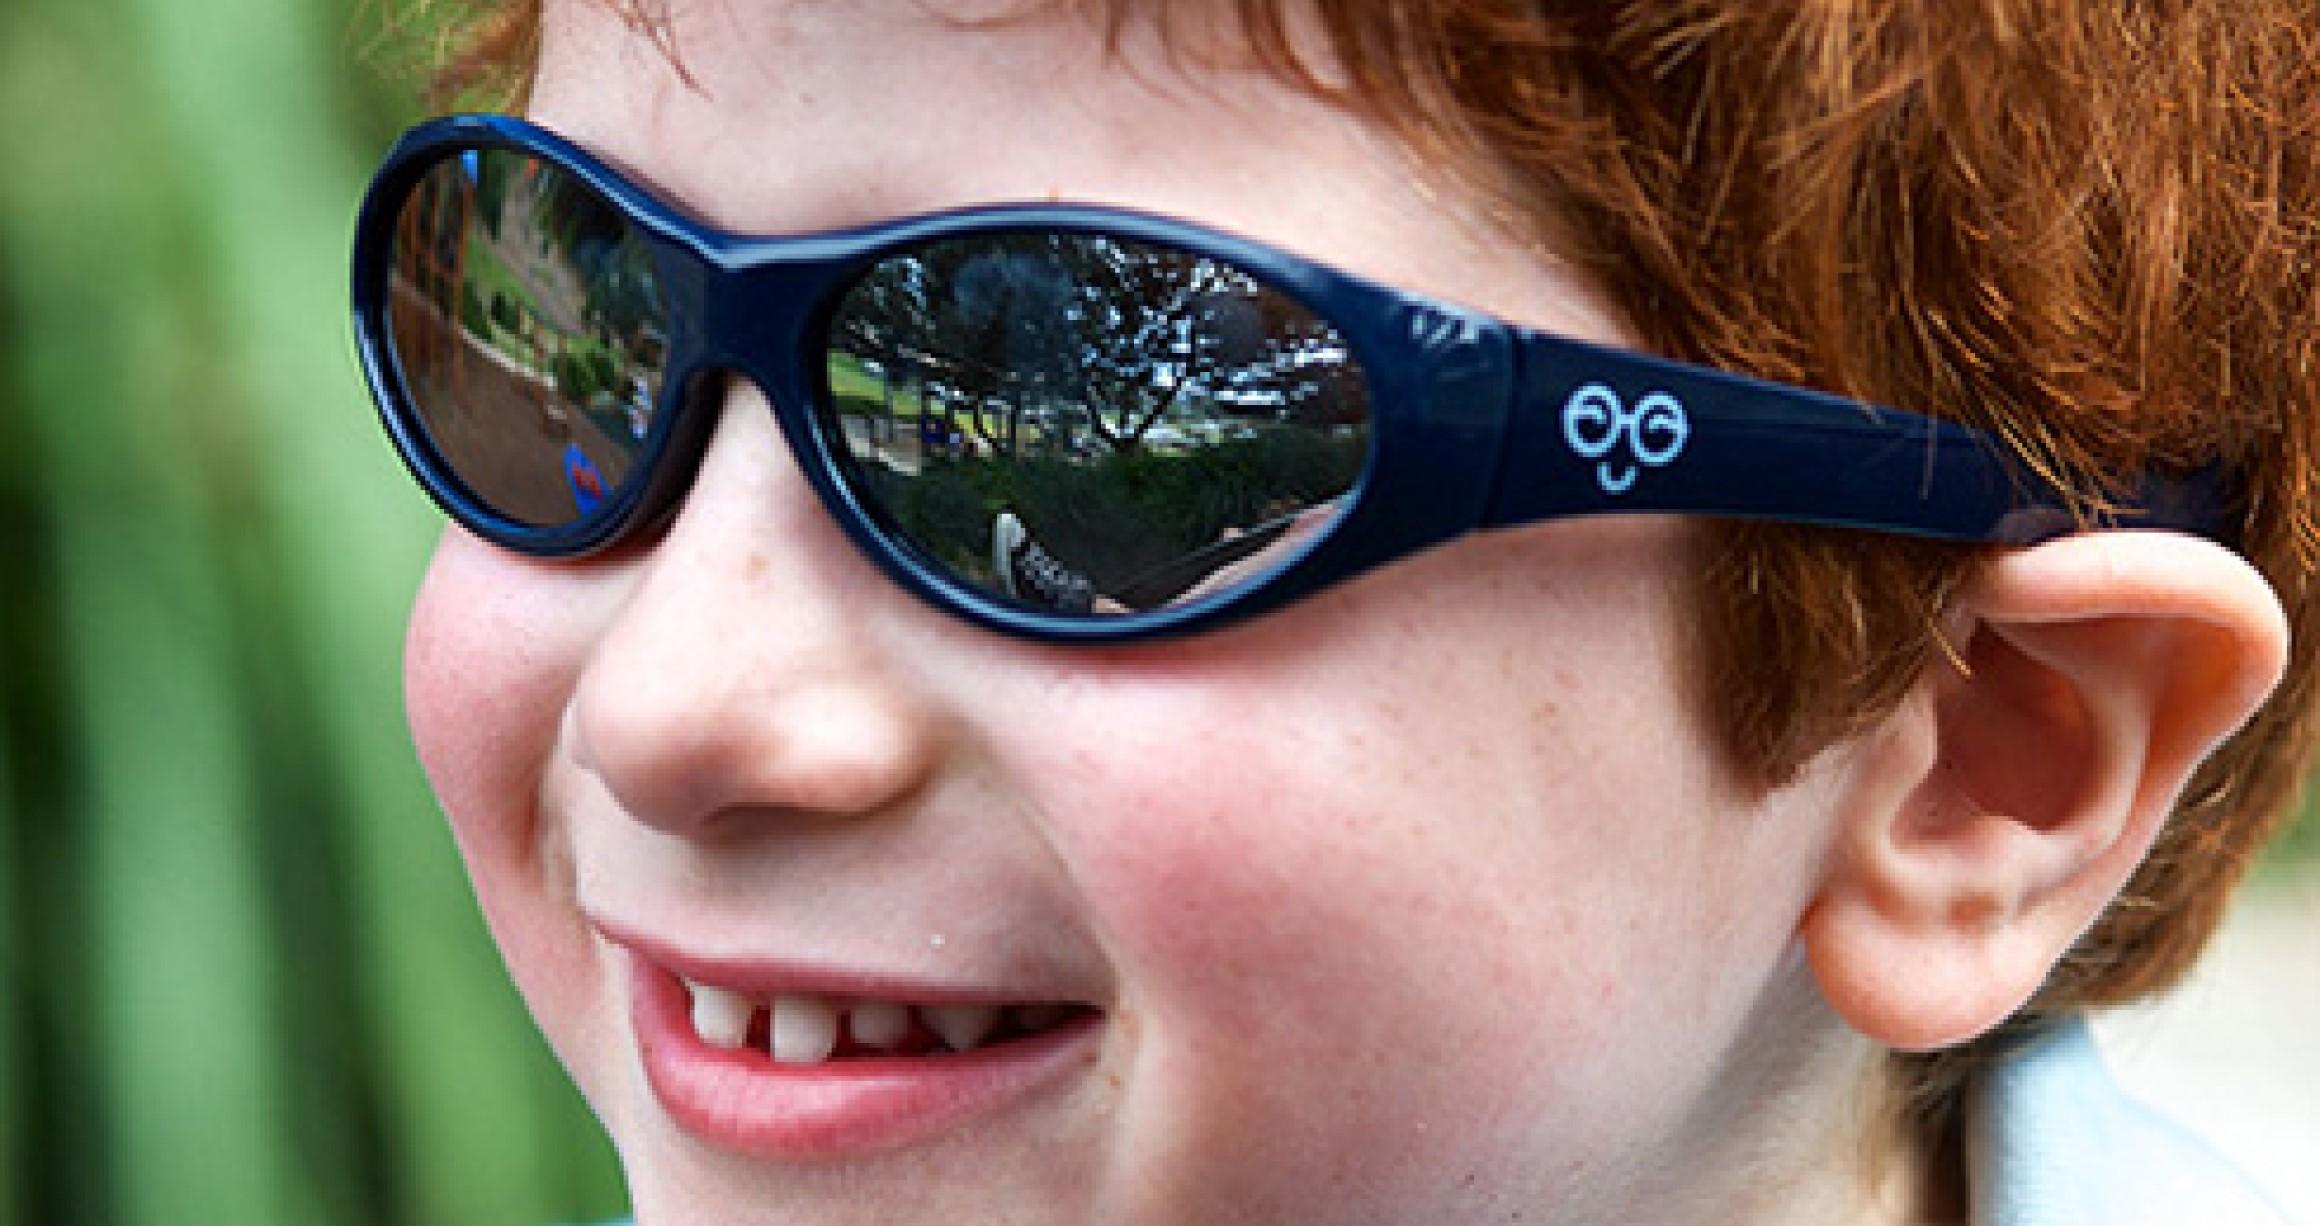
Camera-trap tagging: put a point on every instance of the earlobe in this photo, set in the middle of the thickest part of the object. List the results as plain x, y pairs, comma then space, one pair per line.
1990, 819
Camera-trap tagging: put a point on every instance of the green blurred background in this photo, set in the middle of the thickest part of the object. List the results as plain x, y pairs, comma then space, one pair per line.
241, 979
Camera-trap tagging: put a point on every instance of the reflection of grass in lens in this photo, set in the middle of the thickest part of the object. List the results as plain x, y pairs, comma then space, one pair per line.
858, 392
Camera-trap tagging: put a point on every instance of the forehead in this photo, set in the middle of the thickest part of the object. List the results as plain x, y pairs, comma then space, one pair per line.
796, 115
919, 102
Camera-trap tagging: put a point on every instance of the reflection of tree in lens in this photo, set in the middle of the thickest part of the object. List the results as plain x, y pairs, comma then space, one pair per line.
1133, 405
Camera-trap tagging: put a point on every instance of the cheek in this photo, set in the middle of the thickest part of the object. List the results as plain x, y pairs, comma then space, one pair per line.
1407, 914
484, 687
494, 646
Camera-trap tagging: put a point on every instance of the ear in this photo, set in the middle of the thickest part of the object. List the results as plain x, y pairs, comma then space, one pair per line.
1987, 822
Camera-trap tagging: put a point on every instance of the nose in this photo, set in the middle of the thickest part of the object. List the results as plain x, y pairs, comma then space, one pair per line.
744, 671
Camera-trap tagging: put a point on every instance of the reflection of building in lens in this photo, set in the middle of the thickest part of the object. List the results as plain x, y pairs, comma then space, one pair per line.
489, 324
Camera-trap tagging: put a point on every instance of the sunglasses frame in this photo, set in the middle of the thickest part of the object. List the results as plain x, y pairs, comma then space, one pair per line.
1475, 423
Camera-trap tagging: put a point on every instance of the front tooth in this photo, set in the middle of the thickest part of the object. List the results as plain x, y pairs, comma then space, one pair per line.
961, 1026
805, 1029
879, 1023
720, 1017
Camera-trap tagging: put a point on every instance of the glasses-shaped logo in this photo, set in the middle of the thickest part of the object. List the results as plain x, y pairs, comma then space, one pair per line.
1596, 422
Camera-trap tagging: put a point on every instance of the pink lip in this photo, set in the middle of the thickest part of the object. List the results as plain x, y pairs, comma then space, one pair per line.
744, 1102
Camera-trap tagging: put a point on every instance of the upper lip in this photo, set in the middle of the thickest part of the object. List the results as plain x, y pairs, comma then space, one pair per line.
771, 976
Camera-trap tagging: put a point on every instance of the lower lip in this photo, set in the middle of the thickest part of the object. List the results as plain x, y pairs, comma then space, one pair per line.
745, 1102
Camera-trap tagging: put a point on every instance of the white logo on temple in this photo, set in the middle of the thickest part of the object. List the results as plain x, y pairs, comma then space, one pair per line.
1596, 422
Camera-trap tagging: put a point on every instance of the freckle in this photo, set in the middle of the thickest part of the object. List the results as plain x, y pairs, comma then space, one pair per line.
754, 569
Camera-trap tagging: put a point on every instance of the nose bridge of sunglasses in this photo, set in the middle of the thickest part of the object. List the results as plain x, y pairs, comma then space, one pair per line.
753, 313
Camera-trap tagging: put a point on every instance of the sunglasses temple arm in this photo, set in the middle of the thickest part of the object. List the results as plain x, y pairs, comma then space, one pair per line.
1597, 431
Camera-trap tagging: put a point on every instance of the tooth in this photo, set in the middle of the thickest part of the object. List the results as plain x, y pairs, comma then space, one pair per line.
720, 1017
961, 1026
879, 1023
1031, 1019
805, 1029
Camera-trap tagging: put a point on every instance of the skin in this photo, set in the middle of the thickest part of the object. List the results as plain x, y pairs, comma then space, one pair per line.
1424, 900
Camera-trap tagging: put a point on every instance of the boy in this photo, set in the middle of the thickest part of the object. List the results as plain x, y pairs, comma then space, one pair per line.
1588, 869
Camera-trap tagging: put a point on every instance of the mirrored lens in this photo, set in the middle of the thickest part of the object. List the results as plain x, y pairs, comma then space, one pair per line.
528, 327
1090, 424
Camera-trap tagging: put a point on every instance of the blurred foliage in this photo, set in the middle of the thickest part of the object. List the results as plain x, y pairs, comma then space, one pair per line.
2298, 847
243, 980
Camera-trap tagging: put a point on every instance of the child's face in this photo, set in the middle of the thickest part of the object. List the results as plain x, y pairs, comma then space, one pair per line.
1419, 898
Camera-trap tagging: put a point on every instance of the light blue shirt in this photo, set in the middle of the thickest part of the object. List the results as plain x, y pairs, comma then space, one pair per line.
2051, 1140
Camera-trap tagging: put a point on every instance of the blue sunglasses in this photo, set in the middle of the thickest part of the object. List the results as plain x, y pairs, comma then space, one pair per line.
1069, 423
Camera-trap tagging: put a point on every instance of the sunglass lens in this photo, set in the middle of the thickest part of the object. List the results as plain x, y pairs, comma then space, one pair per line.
527, 325
1091, 424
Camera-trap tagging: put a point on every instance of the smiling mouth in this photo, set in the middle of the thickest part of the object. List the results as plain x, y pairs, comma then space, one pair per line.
791, 1065
795, 1029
